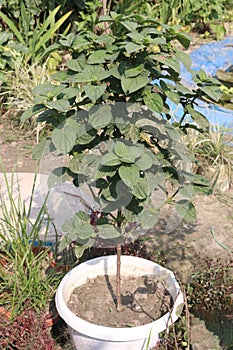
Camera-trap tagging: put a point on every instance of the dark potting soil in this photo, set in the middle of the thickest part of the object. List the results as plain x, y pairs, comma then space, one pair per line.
144, 300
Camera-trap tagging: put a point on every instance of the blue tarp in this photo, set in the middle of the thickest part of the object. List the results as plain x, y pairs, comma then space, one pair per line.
209, 57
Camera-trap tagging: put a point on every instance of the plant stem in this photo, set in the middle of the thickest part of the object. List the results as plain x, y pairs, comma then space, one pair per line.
118, 279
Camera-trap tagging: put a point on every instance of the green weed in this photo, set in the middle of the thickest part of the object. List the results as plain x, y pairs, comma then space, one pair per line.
25, 277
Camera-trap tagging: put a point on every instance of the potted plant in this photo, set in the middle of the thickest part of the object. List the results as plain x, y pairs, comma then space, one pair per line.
109, 112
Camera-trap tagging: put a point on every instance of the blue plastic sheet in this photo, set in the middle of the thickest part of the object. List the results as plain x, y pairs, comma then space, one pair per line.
209, 57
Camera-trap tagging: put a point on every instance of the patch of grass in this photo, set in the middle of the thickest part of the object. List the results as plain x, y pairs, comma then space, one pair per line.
27, 332
211, 287
25, 279
213, 151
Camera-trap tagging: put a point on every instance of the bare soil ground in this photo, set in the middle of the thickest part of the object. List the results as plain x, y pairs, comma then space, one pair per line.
16, 144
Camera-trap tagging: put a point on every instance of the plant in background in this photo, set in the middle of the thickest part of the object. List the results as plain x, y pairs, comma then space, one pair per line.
31, 37
18, 86
214, 153
226, 78
26, 332
206, 18
88, 15
190, 14
211, 287
167, 12
23, 282
27, 53
215, 147
109, 111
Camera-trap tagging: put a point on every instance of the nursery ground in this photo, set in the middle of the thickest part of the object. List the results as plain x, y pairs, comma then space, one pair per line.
185, 247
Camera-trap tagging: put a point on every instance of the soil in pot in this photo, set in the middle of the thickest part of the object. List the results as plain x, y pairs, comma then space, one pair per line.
144, 300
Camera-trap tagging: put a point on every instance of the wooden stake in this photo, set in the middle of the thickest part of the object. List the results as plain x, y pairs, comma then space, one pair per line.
118, 279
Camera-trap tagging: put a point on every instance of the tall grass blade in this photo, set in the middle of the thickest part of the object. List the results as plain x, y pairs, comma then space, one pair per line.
24, 282
12, 28
49, 34
148, 341
48, 21
219, 243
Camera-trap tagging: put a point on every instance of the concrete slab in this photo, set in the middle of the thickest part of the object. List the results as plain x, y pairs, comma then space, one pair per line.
62, 203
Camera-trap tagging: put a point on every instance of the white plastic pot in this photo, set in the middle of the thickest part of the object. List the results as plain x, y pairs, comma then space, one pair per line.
89, 336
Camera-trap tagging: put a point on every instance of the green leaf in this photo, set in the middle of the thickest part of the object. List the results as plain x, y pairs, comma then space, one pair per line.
184, 58
42, 149
132, 47
131, 132
107, 231
79, 250
105, 18
212, 91
129, 174
97, 57
64, 138
85, 164
60, 76
130, 85
4, 37
101, 183
50, 33
77, 64
110, 159
83, 216
58, 176
105, 39
202, 190
202, 75
92, 73
94, 92
133, 71
19, 47
148, 218
31, 111
43, 89
12, 27
59, 105
173, 96
86, 134
219, 29
136, 37
105, 171
120, 149
154, 102
48, 90
112, 56
141, 189
100, 116
187, 191
201, 185
127, 154
130, 25
48, 21
84, 230
200, 180
70, 92
184, 39
79, 229
145, 162
64, 242
171, 62
186, 210
199, 118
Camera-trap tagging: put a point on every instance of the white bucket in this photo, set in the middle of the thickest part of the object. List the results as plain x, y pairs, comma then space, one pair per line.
89, 336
